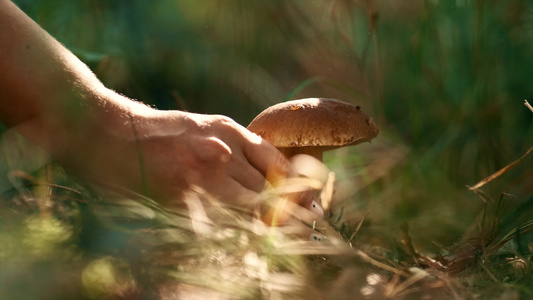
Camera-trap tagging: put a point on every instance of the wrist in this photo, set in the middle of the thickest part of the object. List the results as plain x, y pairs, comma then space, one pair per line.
97, 143
116, 115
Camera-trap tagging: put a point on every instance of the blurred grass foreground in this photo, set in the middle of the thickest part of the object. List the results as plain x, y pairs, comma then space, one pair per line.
444, 80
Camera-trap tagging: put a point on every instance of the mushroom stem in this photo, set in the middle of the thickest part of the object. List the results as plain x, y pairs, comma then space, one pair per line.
315, 152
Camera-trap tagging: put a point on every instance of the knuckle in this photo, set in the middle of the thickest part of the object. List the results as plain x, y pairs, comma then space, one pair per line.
214, 151
223, 120
283, 165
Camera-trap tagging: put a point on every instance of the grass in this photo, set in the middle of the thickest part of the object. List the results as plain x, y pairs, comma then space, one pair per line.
59, 241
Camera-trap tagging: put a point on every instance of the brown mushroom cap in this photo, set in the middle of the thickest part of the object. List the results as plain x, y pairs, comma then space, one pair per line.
313, 122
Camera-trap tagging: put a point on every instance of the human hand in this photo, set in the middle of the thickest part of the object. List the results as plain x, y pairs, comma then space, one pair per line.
164, 153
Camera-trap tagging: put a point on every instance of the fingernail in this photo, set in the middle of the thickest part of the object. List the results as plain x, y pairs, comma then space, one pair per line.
317, 209
317, 237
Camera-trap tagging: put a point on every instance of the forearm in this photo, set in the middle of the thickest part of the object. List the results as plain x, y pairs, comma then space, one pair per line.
45, 91
37, 71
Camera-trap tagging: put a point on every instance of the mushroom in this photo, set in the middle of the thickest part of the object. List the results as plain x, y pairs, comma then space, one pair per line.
313, 125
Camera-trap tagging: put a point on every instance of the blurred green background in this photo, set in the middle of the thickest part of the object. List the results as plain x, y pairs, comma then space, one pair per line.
445, 80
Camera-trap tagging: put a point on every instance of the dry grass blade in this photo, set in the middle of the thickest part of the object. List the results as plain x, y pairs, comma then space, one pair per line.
327, 192
365, 257
357, 228
500, 172
396, 290
528, 105
295, 185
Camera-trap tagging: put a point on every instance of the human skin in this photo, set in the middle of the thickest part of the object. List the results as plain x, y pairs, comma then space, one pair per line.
51, 97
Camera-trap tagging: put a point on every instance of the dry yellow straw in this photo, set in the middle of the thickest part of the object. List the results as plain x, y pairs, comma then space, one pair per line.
528, 105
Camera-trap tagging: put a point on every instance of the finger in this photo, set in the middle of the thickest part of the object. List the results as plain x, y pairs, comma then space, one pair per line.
246, 175
218, 182
268, 160
314, 211
294, 227
232, 192
280, 209
276, 167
